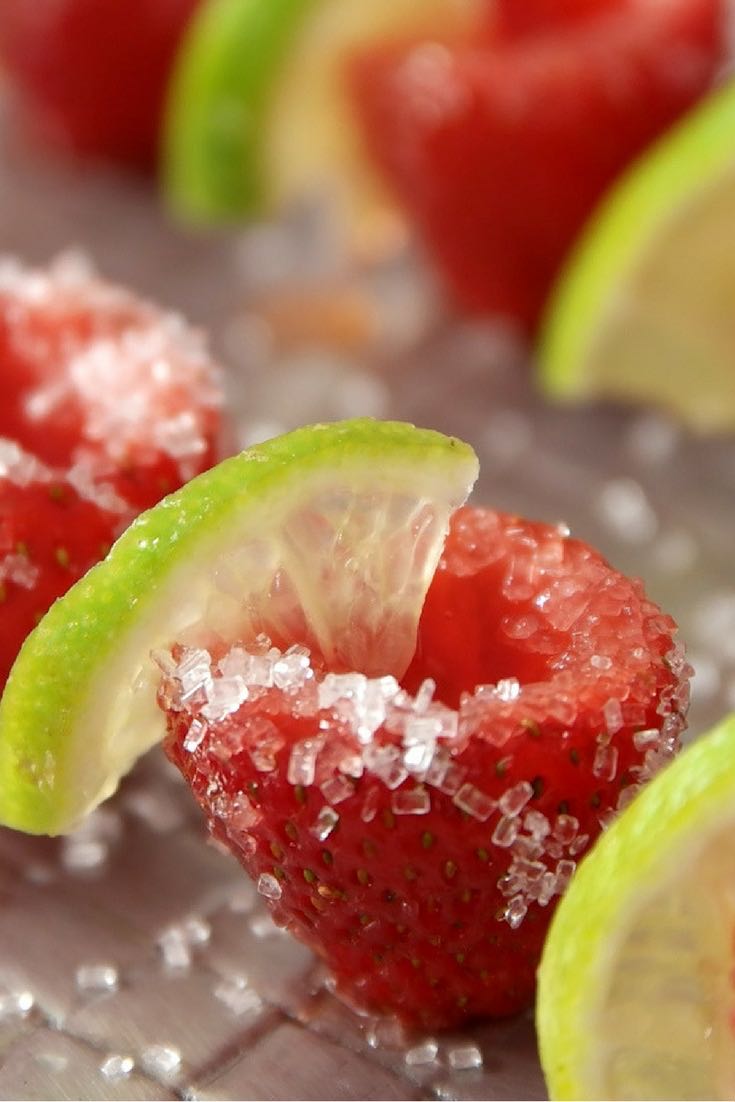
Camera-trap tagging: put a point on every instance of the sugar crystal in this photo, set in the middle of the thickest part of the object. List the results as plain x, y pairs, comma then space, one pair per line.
327, 820
175, 949
536, 824
411, 801
268, 886
195, 734
336, 789
605, 765
370, 805
424, 695
474, 802
224, 696
508, 689
115, 1066
302, 762
613, 713
238, 996
464, 1057
163, 1060
97, 977
505, 833
16, 1004
424, 1053
513, 801
515, 911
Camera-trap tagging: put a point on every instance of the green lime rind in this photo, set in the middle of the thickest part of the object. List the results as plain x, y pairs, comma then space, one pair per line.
223, 81
671, 819
694, 153
70, 723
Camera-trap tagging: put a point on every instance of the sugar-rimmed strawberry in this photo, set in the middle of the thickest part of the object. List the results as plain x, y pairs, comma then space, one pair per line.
51, 532
418, 837
98, 380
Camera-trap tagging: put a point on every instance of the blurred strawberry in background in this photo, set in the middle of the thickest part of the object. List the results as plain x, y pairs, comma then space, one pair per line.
93, 73
499, 147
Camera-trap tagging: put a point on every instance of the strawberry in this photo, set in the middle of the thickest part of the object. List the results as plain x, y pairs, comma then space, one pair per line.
499, 147
51, 532
101, 381
94, 72
418, 835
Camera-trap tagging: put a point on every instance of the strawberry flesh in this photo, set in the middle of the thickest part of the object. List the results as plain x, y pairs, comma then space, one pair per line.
499, 147
417, 837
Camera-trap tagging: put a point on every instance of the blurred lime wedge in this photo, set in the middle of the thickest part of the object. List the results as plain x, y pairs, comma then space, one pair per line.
328, 536
256, 115
636, 995
645, 310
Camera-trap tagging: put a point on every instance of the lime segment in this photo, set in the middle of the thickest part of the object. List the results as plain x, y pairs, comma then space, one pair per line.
643, 311
636, 996
328, 536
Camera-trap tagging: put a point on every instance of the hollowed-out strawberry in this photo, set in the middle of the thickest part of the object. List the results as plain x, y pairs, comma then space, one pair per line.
417, 836
101, 381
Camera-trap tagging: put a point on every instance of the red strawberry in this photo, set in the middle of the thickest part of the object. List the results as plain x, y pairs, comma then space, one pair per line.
500, 148
512, 19
419, 846
97, 379
95, 71
50, 534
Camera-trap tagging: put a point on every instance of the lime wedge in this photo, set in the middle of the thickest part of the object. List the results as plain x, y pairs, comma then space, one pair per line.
256, 115
328, 536
644, 309
636, 995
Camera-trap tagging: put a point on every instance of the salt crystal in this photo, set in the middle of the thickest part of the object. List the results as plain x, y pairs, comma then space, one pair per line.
336, 789
162, 1060
115, 1066
464, 1057
302, 762
268, 886
605, 765
97, 977
513, 801
424, 1053
326, 821
505, 833
238, 996
411, 801
474, 802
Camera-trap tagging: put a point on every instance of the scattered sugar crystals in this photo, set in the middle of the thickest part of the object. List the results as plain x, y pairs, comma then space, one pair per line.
474, 802
464, 1057
161, 1060
97, 977
424, 1053
16, 1004
411, 801
115, 1066
238, 996
176, 942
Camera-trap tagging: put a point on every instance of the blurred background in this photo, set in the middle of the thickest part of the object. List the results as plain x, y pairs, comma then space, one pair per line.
511, 220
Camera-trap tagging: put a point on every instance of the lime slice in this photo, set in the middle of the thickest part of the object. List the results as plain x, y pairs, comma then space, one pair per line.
256, 114
644, 310
328, 536
636, 996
